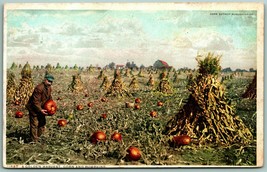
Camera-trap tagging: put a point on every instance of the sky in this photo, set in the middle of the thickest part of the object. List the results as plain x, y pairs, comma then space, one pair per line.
99, 37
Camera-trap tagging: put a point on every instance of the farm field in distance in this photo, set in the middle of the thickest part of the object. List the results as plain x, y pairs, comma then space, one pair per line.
70, 145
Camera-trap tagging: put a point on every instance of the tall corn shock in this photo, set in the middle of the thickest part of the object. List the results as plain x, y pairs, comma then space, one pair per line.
105, 84
164, 85
141, 73
251, 92
117, 87
101, 75
127, 72
134, 84
25, 87
76, 86
151, 81
48, 68
207, 116
11, 86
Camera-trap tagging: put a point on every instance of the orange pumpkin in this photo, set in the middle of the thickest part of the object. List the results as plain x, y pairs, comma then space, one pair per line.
90, 104
17, 103
134, 154
116, 137
104, 115
98, 136
18, 114
51, 107
160, 103
137, 100
153, 114
79, 107
181, 140
62, 122
103, 99
137, 106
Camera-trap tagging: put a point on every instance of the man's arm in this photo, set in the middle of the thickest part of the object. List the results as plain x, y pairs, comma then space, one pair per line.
37, 98
37, 94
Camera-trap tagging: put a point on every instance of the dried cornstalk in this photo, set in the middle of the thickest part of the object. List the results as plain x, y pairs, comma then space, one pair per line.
101, 75
164, 86
76, 85
207, 117
127, 72
134, 84
151, 82
105, 84
251, 91
117, 88
141, 73
11, 86
25, 87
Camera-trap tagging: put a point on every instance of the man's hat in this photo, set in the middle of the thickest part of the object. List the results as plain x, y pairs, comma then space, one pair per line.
49, 77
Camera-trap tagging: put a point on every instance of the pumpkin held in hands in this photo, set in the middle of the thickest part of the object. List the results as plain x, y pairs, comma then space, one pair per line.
51, 107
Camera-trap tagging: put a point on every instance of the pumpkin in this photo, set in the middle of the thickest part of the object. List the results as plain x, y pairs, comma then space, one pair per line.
51, 107
18, 114
116, 137
98, 136
181, 140
134, 154
62, 122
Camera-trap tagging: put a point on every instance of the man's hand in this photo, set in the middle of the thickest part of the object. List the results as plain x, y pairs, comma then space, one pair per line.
44, 112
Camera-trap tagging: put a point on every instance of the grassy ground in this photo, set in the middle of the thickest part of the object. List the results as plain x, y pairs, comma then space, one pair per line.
71, 145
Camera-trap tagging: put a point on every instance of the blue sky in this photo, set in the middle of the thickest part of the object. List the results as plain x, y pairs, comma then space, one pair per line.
98, 37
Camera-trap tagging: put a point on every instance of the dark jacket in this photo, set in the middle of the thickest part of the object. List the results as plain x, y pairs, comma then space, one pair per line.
40, 95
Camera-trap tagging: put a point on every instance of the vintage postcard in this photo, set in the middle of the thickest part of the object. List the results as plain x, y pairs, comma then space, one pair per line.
133, 85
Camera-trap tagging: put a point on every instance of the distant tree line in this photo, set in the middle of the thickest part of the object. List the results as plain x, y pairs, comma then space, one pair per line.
130, 65
228, 69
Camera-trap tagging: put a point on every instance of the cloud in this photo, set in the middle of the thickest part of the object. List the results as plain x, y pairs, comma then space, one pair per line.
113, 33
176, 57
218, 43
118, 26
19, 13
203, 38
44, 29
71, 29
239, 59
89, 42
22, 52
27, 39
21, 40
182, 42
212, 41
58, 14
25, 36
11, 43
50, 49
121, 40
